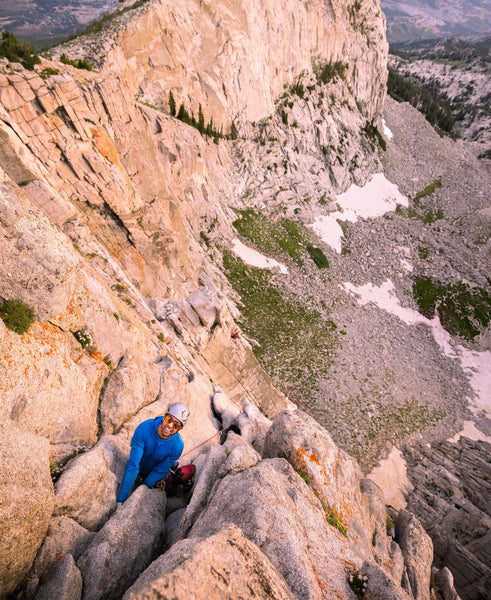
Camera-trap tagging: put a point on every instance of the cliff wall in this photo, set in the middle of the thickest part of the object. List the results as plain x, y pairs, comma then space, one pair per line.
234, 58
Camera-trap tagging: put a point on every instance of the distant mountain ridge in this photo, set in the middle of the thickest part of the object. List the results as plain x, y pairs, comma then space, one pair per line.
47, 22
419, 20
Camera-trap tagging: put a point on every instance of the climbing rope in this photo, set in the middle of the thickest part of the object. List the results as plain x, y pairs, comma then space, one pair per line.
203, 443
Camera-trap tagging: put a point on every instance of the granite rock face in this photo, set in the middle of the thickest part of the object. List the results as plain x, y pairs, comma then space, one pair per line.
55, 397
130, 208
65, 537
451, 498
39, 265
64, 581
224, 565
279, 513
86, 491
131, 387
26, 502
125, 546
234, 59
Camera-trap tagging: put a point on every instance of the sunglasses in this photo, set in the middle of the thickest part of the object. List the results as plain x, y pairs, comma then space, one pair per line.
174, 423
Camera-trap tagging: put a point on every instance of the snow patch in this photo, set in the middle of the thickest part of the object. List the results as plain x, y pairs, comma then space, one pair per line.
477, 365
472, 432
254, 258
391, 476
373, 200
406, 265
387, 132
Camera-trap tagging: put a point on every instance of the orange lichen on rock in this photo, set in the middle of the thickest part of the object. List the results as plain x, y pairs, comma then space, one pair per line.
105, 146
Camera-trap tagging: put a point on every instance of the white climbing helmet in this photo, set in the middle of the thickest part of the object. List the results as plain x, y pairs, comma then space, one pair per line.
179, 411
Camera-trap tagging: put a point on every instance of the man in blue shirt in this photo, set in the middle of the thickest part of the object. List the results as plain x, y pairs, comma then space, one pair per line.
156, 445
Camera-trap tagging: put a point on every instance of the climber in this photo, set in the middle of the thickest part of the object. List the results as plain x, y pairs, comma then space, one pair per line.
156, 445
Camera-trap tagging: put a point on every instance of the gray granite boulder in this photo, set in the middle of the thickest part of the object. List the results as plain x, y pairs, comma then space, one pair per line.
64, 537
87, 490
63, 582
26, 502
132, 386
224, 566
125, 546
417, 550
279, 513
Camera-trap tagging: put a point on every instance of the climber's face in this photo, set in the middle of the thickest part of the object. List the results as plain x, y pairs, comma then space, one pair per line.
169, 426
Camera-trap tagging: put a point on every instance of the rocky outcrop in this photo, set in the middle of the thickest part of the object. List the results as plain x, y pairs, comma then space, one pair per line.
39, 265
131, 387
281, 515
333, 474
451, 498
87, 490
125, 546
26, 502
64, 581
417, 550
224, 565
54, 397
65, 537
140, 205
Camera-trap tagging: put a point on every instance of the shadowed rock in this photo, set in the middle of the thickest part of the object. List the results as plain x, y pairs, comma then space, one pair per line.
65, 537
417, 550
64, 581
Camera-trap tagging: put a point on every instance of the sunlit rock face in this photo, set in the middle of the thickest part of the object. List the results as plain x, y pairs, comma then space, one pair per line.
234, 58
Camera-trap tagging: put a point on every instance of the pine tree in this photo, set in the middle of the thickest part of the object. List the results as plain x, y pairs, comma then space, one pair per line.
201, 120
172, 104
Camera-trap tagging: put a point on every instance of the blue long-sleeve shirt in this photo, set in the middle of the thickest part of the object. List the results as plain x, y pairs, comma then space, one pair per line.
151, 456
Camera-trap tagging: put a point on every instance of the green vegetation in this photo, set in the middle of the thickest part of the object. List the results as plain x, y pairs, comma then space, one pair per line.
358, 583
297, 342
105, 21
428, 190
318, 256
304, 476
79, 63
436, 108
389, 523
208, 130
172, 104
57, 469
426, 216
329, 71
297, 87
46, 72
423, 252
333, 519
15, 51
83, 337
17, 315
161, 338
464, 310
280, 237
372, 132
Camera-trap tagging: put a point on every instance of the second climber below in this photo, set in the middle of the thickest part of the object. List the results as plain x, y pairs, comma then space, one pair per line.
155, 446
